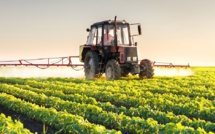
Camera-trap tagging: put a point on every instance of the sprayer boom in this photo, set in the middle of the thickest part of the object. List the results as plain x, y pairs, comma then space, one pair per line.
165, 64
41, 62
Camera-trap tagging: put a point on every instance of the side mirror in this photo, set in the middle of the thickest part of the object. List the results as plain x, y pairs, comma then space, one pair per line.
135, 44
88, 30
139, 29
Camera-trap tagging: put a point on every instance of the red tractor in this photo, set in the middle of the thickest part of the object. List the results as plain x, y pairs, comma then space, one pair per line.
110, 49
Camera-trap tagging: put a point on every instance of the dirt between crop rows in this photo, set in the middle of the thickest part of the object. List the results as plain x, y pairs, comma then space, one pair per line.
30, 124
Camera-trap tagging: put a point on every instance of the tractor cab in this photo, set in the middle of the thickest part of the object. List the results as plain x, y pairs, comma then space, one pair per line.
112, 39
105, 33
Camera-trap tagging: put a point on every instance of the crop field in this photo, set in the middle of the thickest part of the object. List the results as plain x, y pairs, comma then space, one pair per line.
161, 105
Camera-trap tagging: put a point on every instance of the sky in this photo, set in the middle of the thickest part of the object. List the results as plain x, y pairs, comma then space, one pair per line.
177, 31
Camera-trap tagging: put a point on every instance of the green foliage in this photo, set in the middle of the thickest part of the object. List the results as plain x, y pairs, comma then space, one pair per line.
7, 125
159, 105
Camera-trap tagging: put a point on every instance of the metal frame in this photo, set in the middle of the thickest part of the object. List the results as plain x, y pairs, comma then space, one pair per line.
29, 62
165, 64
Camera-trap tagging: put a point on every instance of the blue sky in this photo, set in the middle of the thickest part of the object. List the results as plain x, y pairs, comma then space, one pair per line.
179, 31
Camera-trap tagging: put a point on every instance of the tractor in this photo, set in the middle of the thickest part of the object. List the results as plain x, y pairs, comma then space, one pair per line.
110, 49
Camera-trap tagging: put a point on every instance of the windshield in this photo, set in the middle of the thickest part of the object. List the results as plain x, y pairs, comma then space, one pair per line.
122, 34
91, 40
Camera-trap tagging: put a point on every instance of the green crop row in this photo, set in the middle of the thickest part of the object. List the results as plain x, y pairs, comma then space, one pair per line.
57, 93
193, 109
192, 86
8, 126
62, 121
126, 91
90, 112
142, 111
131, 87
137, 88
148, 96
131, 92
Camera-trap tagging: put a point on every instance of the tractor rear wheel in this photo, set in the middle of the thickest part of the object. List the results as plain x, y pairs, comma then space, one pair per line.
91, 64
112, 70
148, 71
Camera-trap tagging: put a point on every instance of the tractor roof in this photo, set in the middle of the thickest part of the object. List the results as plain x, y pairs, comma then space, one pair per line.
109, 22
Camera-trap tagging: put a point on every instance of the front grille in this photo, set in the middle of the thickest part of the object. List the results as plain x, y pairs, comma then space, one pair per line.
131, 54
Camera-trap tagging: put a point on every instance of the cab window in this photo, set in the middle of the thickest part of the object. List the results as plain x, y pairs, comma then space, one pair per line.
91, 40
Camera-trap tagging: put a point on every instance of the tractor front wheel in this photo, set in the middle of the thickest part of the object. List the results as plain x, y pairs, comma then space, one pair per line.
148, 70
112, 70
91, 63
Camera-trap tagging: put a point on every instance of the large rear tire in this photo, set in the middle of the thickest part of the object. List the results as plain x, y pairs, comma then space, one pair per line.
148, 71
112, 70
91, 64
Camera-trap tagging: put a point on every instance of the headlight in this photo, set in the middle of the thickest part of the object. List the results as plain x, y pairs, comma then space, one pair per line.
134, 58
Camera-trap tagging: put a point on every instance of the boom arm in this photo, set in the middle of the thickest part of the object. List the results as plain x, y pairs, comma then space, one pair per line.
165, 64
47, 62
